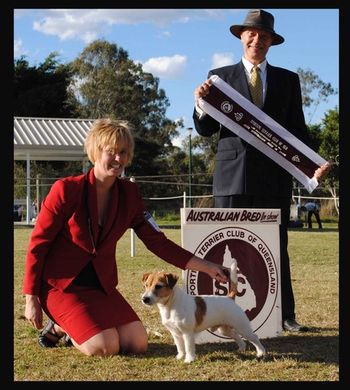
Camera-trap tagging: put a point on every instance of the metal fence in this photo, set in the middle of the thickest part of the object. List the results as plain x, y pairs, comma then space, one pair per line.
167, 205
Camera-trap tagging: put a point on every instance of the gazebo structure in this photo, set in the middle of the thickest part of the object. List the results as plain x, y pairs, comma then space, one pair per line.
49, 139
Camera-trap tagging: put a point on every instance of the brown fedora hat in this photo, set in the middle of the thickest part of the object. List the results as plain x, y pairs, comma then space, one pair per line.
258, 18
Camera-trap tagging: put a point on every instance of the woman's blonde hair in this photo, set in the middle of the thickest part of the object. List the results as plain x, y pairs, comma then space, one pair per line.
108, 132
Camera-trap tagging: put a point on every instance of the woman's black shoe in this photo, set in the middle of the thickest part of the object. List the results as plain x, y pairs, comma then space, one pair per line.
52, 341
46, 342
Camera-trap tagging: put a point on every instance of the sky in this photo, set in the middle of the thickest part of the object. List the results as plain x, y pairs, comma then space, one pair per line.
180, 46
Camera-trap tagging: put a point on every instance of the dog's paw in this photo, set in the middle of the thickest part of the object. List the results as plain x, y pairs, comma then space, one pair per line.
190, 358
261, 353
180, 356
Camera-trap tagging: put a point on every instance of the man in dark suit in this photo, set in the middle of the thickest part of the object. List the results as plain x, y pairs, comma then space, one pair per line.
243, 176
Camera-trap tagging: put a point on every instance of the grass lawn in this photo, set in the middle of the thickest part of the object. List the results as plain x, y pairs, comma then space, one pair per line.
311, 356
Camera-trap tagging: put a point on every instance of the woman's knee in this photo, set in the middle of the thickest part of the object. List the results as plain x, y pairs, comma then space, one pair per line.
103, 351
137, 347
133, 338
104, 344
140, 346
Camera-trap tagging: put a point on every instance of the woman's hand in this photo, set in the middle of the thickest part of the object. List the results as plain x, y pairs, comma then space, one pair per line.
33, 311
215, 271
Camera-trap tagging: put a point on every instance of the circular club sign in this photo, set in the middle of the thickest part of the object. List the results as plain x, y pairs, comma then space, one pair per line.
257, 272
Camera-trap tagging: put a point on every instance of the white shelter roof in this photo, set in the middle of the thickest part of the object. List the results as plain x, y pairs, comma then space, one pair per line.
50, 138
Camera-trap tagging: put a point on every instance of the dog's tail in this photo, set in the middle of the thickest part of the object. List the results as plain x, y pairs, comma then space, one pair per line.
234, 280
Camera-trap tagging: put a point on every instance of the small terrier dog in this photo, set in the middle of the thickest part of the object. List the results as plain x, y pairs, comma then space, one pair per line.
184, 315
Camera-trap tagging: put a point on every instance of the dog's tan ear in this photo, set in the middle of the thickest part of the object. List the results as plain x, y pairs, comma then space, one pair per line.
171, 279
145, 276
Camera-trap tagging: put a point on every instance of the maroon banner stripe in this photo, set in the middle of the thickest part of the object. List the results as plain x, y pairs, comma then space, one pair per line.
254, 126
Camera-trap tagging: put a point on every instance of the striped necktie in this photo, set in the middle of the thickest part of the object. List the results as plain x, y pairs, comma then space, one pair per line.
255, 86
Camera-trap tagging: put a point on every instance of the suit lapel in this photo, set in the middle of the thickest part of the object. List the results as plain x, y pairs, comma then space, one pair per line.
92, 205
112, 213
272, 84
239, 81
235, 76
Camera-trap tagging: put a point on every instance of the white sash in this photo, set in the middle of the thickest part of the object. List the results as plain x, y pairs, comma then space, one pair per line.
246, 120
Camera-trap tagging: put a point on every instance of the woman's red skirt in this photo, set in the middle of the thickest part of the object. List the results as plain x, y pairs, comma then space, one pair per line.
84, 312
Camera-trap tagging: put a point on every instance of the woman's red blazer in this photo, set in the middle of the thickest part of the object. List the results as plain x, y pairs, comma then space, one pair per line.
64, 238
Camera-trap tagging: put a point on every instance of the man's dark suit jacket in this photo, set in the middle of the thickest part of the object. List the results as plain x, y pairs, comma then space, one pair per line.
240, 168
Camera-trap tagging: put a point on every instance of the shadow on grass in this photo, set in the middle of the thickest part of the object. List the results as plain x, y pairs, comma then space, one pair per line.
313, 230
161, 350
301, 347
317, 349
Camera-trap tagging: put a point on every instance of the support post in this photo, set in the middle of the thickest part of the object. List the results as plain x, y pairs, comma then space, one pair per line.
28, 201
132, 233
189, 129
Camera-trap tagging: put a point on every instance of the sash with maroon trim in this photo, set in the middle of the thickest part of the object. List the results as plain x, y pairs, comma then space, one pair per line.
246, 120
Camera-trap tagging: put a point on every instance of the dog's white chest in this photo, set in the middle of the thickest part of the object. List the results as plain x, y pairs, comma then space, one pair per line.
174, 320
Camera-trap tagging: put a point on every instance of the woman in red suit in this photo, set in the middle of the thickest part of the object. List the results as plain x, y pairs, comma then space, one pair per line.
70, 270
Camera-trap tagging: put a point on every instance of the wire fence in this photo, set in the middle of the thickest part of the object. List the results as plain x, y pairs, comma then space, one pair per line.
163, 206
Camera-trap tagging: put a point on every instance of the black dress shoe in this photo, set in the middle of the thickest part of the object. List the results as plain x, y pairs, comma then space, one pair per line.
52, 340
290, 325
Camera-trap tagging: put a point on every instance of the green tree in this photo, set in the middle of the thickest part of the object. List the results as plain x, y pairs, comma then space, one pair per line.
108, 83
315, 136
42, 91
207, 147
329, 149
48, 171
19, 180
178, 166
313, 89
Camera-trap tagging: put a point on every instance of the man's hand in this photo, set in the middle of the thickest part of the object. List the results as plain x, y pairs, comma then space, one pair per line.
322, 171
202, 90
